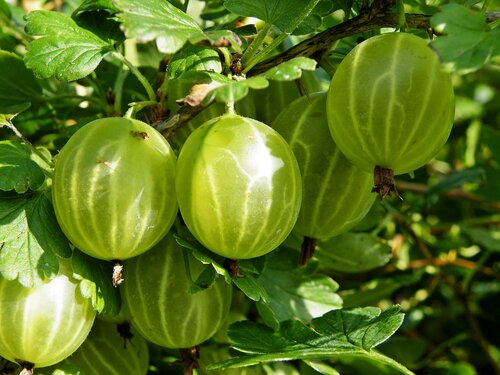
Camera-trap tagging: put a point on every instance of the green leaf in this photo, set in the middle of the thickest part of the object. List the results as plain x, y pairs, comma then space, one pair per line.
315, 18
30, 239
17, 170
60, 369
245, 280
223, 89
193, 58
95, 5
96, 282
206, 278
203, 255
18, 86
407, 350
293, 291
353, 252
377, 290
339, 332
5, 13
282, 13
101, 24
233, 90
251, 286
468, 42
486, 238
291, 69
148, 20
321, 367
65, 49
457, 179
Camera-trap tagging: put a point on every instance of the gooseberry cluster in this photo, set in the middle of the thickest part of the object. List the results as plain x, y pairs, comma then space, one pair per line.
241, 187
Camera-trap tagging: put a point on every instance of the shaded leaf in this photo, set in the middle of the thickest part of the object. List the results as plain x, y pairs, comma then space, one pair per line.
193, 58
353, 252
468, 42
5, 13
17, 169
102, 24
95, 5
96, 282
65, 50
18, 86
245, 280
407, 350
251, 286
321, 367
291, 69
282, 13
203, 255
30, 239
487, 238
457, 179
206, 278
294, 292
60, 369
379, 289
315, 18
148, 20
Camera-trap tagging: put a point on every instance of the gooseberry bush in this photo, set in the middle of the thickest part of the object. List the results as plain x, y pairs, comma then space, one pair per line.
249, 187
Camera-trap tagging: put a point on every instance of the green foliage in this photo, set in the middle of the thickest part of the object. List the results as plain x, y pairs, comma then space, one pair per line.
158, 20
19, 86
294, 292
353, 252
19, 171
468, 42
31, 239
95, 283
65, 50
290, 70
283, 13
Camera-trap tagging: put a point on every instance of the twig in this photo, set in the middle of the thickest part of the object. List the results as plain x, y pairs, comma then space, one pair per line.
443, 262
316, 46
184, 114
474, 324
459, 193
374, 18
419, 243
459, 292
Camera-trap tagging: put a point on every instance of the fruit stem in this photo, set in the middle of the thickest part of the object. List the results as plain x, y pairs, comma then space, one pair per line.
230, 107
136, 107
307, 250
118, 88
117, 277
384, 184
233, 267
27, 368
189, 358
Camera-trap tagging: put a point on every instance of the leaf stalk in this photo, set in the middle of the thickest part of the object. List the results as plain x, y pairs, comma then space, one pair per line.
144, 82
